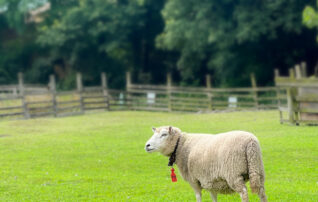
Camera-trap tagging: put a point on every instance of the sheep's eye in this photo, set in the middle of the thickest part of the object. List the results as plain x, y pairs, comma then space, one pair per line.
163, 135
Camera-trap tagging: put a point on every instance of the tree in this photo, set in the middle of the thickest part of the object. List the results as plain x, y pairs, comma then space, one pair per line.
233, 38
98, 35
17, 39
228, 39
92, 36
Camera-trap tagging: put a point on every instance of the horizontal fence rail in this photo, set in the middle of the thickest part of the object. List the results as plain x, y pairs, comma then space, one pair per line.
202, 99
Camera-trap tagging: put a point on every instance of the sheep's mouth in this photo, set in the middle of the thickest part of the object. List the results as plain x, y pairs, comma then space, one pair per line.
149, 149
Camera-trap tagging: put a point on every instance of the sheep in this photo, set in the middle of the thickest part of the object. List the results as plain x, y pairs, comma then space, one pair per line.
221, 163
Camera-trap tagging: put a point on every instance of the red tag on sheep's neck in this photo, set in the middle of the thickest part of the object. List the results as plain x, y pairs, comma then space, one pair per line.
173, 175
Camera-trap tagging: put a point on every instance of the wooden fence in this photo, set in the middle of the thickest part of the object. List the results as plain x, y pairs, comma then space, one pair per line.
25, 101
193, 99
302, 96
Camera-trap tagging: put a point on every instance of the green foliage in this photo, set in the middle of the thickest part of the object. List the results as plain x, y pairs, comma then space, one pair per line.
104, 25
93, 36
16, 10
310, 17
15, 52
18, 47
227, 37
98, 35
101, 157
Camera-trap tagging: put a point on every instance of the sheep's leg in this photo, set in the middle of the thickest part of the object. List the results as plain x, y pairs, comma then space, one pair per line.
244, 195
214, 196
197, 190
239, 186
262, 195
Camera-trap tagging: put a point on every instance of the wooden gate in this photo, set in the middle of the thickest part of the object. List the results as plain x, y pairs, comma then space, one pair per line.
302, 96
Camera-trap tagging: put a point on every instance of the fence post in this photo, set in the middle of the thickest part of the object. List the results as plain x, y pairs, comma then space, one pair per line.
298, 72
276, 75
208, 86
105, 91
79, 85
303, 67
291, 73
128, 86
15, 91
128, 80
292, 104
169, 85
254, 86
22, 94
21, 83
291, 94
52, 86
299, 69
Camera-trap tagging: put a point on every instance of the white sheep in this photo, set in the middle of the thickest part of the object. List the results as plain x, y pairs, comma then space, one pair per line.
220, 163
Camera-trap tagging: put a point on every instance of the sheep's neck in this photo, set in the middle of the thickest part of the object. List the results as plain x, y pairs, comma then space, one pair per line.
172, 158
182, 157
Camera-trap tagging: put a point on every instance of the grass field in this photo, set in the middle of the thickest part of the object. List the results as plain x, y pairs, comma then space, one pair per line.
101, 157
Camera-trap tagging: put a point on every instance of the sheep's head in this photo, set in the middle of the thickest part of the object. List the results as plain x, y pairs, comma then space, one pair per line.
163, 140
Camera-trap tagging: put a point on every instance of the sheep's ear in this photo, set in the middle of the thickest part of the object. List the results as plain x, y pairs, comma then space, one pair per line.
170, 129
153, 129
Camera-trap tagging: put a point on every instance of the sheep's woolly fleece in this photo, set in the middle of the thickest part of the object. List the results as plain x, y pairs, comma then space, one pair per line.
219, 163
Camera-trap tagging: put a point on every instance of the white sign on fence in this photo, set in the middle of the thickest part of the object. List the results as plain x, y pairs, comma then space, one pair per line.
151, 97
232, 102
121, 99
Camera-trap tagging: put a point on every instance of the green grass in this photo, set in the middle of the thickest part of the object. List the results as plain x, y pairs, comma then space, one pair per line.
101, 157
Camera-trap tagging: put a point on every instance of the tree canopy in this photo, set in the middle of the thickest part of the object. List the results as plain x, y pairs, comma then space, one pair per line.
228, 39
231, 38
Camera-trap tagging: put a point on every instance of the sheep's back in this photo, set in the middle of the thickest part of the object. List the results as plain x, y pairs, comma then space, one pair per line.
215, 159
